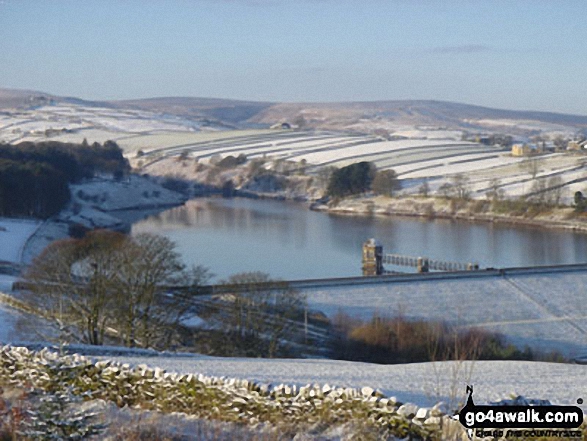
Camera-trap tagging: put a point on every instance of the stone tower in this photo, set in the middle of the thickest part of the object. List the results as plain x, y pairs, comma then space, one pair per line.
372, 258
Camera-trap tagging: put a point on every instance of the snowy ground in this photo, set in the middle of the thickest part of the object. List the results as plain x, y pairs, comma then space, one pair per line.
13, 236
6, 282
427, 153
72, 123
421, 383
102, 203
133, 192
547, 312
17, 327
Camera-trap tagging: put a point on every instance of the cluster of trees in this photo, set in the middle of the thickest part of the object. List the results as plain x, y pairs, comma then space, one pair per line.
361, 177
544, 194
232, 161
259, 317
34, 177
352, 179
111, 284
31, 189
135, 291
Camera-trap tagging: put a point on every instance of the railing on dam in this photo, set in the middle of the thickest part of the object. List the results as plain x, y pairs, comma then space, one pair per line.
424, 264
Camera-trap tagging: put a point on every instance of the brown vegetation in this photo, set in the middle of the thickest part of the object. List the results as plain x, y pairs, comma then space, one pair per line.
393, 340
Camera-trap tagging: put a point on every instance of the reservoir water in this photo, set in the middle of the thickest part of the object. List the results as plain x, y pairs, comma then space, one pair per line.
288, 241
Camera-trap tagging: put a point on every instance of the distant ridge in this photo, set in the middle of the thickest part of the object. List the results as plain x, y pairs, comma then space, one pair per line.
337, 115
418, 112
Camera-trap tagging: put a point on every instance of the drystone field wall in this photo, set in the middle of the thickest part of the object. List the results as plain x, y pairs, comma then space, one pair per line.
220, 398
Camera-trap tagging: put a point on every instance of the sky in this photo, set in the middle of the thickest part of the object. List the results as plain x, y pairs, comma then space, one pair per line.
525, 55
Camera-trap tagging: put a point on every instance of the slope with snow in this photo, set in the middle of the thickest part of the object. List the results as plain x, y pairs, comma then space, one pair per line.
13, 236
547, 311
421, 383
418, 151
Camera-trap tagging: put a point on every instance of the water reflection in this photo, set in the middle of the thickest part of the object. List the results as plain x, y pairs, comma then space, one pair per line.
289, 241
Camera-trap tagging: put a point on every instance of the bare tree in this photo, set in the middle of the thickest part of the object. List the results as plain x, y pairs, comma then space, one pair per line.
72, 280
496, 193
531, 166
111, 282
560, 142
446, 190
538, 192
146, 315
461, 185
300, 121
424, 189
261, 311
323, 176
555, 190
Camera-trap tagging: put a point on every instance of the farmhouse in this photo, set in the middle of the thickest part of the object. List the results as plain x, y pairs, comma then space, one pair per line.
522, 150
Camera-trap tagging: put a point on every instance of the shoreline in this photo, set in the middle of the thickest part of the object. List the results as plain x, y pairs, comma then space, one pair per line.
102, 203
428, 209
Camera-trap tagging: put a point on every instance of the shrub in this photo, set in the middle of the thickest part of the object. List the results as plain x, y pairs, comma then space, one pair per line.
228, 162
396, 340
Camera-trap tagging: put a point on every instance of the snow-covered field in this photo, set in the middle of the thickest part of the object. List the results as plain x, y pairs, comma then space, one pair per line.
547, 311
102, 203
6, 282
421, 383
428, 152
132, 192
13, 236
74, 122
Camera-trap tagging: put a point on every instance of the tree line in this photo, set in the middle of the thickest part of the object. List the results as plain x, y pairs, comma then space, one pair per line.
362, 177
35, 177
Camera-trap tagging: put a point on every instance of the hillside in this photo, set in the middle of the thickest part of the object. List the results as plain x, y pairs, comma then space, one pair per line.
17, 99
391, 114
359, 116
222, 110
429, 142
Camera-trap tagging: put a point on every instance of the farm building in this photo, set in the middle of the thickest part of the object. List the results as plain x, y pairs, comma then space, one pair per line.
522, 150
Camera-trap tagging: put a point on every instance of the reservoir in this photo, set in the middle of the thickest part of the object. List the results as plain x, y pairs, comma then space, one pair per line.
288, 241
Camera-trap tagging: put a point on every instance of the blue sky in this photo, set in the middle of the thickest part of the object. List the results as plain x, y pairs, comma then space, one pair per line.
513, 54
